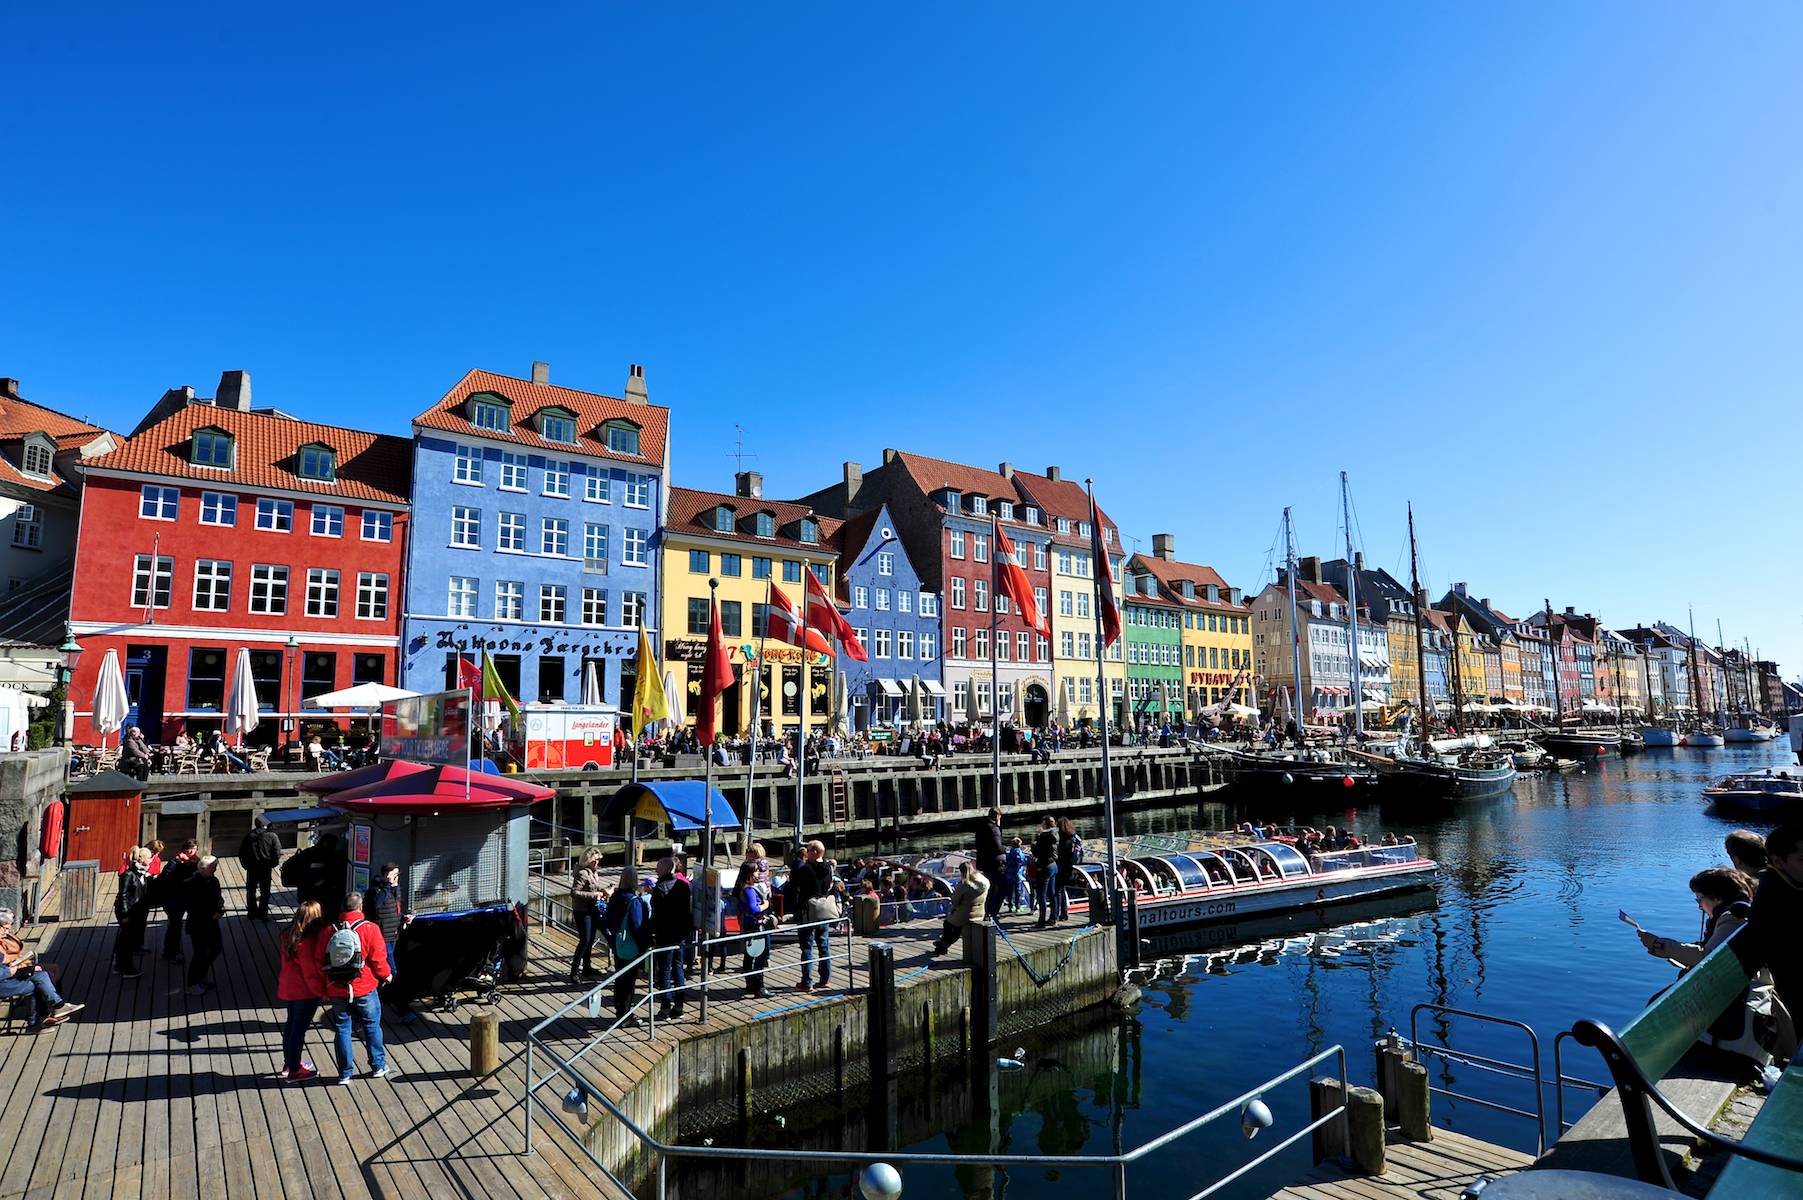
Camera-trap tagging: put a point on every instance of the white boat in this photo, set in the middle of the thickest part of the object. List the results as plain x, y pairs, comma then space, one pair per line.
1659, 735
1746, 727
1702, 739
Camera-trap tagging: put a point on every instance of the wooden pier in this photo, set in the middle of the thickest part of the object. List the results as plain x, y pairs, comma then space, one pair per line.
1435, 1170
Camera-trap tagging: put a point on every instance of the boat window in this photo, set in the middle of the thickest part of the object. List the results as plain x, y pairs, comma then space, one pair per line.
1265, 864
1138, 877
1242, 866
1218, 875
1165, 872
1289, 860
1188, 870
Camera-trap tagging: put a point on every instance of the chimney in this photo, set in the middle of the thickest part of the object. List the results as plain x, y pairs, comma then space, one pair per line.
1458, 589
541, 372
635, 385
1164, 545
1054, 474
1570, 611
889, 453
1006, 470
854, 483
234, 391
748, 483
10, 388
1309, 568
1358, 560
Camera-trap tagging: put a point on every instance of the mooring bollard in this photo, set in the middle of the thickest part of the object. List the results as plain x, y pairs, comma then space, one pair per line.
1365, 1130
879, 1008
485, 1044
985, 1006
1412, 1112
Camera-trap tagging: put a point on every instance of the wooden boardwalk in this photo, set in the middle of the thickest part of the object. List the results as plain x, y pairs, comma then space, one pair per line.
1436, 1170
151, 1092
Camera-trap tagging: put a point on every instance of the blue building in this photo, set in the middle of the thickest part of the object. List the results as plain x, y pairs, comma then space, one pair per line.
896, 619
535, 535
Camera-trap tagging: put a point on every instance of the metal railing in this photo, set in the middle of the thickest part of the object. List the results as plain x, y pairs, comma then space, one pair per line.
577, 1099
1513, 1070
1561, 1081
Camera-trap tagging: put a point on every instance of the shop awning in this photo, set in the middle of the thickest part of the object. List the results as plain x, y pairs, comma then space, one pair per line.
891, 688
933, 687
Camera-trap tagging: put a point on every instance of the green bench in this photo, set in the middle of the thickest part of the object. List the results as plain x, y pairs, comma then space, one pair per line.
1768, 1161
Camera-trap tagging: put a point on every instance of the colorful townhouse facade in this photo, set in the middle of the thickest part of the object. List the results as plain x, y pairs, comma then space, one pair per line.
1152, 630
216, 527
42, 454
897, 620
745, 542
1324, 627
1436, 656
535, 539
1216, 636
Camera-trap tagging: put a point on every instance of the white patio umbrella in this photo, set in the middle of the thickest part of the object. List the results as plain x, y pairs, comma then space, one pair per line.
1064, 707
1284, 713
915, 715
362, 696
675, 699
110, 700
591, 684
973, 712
241, 699
842, 704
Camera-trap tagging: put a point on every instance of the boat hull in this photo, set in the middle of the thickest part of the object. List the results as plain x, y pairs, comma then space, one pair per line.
1749, 735
1294, 895
1755, 803
1656, 735
1255, 773
1703, 741
1586, 745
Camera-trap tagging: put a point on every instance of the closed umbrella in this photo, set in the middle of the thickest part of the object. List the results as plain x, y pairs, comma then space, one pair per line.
110, 700
1284, 713
842, 705
675, 699
915, 715
241, 700
972, 713
1064, 707
591, 684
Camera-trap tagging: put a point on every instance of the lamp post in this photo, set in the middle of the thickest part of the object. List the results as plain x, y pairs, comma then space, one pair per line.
65, 675
293, 720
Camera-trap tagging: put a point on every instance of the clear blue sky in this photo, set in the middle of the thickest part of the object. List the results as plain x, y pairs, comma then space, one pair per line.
1537, 271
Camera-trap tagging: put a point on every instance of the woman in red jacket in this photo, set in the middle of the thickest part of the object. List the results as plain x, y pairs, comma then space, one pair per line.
302, 986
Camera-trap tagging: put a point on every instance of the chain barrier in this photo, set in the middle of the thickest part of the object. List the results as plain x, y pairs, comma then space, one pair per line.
1039, 980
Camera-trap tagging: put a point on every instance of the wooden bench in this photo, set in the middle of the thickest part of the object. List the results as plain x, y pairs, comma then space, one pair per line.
1665, 1104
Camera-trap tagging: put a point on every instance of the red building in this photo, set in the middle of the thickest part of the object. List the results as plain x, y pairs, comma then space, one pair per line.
215, 528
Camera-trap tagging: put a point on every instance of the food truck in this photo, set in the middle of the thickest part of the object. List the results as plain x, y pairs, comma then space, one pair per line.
569, 736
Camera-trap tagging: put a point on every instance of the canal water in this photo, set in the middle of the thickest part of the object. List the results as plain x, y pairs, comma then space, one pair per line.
1523, 926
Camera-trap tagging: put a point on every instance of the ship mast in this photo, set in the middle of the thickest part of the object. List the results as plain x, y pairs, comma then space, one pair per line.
1696, 675
1352, 604
1420, 635
1289, 571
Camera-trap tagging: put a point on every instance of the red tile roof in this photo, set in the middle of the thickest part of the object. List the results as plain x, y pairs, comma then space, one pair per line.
371, 466
935, 474
689, 509
18, 417
1436, 618
1063, 498
1173, 574
591, 409
1326, 593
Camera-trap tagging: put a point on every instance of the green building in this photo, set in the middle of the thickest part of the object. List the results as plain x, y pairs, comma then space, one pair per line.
1152, 632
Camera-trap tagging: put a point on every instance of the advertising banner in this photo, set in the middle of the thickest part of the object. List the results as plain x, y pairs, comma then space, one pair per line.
430, 729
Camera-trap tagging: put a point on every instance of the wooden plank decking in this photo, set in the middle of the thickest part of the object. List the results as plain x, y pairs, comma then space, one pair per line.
151, 1092
1436, 1170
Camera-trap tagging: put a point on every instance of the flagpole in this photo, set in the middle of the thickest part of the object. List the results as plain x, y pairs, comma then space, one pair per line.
1114, 898
638, 717
801, 720
757, 696
995, 684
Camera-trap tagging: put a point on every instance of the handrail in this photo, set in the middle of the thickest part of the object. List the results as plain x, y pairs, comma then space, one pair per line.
1514, 1070
1561, 1081
1118, 1160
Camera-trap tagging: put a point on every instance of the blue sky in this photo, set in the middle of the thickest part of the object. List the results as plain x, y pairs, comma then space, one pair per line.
1538, 275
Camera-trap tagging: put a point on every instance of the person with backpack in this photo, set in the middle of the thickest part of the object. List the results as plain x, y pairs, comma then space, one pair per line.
299, 986
626, 921
383, 904
260, 853
1045, 869
354, 959
751, 890
809, 895
205, 905
1070, 853
131, 908
172, 895
1014, 875
672, 924
990, 858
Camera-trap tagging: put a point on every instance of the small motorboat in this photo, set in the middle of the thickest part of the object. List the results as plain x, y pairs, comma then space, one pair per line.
1703, 737
1749, 727
1762, 792
1660, 735
1581, 741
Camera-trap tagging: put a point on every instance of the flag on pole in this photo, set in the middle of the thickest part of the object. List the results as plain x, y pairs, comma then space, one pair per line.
716, 677
1111, 615
824, 615
1011, 581
648, 700
469, 675
784, 624
494, 689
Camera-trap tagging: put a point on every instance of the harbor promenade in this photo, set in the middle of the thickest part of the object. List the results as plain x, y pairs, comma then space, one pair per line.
150, 1092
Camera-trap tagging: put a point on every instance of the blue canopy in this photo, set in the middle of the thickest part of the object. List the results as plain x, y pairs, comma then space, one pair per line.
283, 816
676, 803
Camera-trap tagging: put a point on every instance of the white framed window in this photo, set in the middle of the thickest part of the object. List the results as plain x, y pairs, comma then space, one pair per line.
927, 646
960, 695
979, 505
980, 590
328, 520
1082, 529
1022, 642
957, 592
28, 526
268, 589
904, 600
466, 527
1064, 524
557, 429
152, 580
981, 643
904, 643
882, 599
219, 508
1001, 645
880, 643
957, 543
594, 546
372, 596
1067, 646
469, 466
1082, 604
212, 585
1030, 515
557, 478
484, 415
510, 599
1005, 510
378, 526
1044, 649
275, 516
633, 553
510, 532
960, 641
1039, 600
513, 471
885, 563
462, 599
554, 537
159, 503
637, 492
595, 487
632, 609
860, 596
594, 606
979, 547
322, 592
1001, 602
550, 604
1038, 557
38, 459
929, 604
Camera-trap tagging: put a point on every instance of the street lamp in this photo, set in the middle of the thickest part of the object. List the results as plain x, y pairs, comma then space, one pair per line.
293, 720
65, 675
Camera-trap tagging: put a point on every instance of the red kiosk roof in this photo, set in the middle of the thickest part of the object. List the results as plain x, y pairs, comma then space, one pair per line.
409, 788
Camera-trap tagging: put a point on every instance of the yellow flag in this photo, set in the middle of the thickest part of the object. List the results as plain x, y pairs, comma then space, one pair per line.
494, 689
648, 703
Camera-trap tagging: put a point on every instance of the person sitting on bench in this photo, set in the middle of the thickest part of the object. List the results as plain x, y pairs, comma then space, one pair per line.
25, 978
1770, 939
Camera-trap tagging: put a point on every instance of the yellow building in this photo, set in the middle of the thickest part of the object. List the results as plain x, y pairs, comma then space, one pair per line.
746, 543
1217, 627
1072, 598
1405, 665
1510, 648
1469, 656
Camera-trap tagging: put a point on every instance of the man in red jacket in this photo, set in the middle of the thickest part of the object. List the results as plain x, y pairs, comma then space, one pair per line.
355, 962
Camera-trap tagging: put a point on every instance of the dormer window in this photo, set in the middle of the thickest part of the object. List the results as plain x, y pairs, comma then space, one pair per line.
1005, 510
766, 524
1083, 529
37, 459
557, 425
489, 411
318, 462
810, 531
1189, 589
979, 506
1108, 534
622, 437
211, 448
954, 501
724, 520
1064, 525
1030, 515
1214, 594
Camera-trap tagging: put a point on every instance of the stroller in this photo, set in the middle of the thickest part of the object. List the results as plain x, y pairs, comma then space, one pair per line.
444, 958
